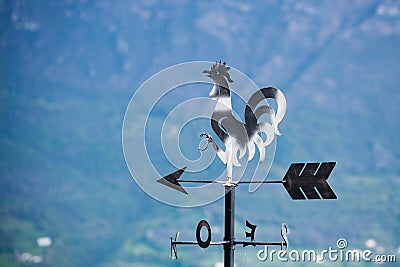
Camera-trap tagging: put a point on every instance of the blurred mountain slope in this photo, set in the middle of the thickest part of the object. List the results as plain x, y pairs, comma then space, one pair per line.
69, 68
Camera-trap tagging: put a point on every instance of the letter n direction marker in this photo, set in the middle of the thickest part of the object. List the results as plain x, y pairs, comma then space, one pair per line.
302, 181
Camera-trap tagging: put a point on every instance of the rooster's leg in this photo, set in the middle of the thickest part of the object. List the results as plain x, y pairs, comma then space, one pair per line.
220, 153
229, 163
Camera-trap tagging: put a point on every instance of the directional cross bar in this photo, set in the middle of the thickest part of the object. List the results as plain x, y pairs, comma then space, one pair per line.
174, 243
229, 241
256, 243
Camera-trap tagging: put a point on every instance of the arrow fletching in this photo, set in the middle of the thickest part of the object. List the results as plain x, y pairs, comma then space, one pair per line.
309, 181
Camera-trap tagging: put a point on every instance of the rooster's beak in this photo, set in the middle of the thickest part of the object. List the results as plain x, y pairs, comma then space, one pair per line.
207, 72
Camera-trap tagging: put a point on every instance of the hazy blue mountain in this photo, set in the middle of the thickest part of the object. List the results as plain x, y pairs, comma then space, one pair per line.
69, 68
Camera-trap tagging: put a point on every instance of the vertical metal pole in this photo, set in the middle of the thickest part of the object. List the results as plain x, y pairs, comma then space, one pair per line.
229, 225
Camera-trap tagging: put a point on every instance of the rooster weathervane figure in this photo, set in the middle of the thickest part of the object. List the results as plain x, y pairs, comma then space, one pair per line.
239, 137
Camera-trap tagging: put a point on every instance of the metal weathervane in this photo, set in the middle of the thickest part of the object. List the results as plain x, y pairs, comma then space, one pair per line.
301, 181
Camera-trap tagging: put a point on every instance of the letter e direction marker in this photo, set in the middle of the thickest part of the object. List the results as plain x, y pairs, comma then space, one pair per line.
252, 231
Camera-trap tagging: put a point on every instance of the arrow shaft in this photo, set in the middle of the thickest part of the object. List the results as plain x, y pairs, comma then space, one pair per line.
261, 182
223, 182
256, 243
201, 181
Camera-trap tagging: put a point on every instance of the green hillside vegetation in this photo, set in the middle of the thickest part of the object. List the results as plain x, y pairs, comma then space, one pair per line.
65, 85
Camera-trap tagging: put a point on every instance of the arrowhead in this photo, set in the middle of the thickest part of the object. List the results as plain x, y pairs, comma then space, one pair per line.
171, 180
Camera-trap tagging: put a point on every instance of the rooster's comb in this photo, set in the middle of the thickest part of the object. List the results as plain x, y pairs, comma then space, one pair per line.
219, 70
